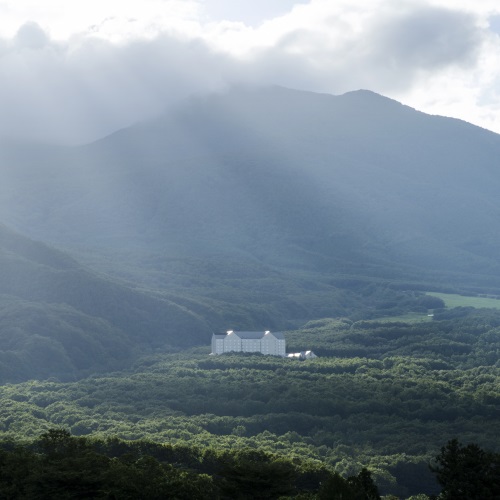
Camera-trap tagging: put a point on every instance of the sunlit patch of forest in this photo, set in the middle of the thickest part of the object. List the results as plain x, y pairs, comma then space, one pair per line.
381, 396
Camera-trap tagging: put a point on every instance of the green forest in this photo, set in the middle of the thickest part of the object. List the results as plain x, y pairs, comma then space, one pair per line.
360, 228
379, 402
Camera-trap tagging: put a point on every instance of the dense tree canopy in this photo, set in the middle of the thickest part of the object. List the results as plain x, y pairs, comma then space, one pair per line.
467, 472
383, 396
61, 466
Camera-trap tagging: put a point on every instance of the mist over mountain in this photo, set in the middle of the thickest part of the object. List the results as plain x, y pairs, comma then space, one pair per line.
250, 209
356, 184
60, 319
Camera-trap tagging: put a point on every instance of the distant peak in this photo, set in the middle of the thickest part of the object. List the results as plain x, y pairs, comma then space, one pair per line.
363, 92
368, 95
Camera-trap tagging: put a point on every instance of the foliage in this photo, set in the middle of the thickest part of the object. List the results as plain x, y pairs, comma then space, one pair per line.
60, 319
467, 472
58, 465
381, 396
289, 219
359, 487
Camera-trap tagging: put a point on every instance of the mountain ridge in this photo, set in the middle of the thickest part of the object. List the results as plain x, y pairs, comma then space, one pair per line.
278, 175
59, 318
247, 209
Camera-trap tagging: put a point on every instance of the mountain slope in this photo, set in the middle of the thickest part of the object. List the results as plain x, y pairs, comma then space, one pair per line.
59, 319
355, 184
241, 210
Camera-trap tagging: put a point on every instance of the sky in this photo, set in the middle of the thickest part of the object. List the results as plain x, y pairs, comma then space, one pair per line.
72, 71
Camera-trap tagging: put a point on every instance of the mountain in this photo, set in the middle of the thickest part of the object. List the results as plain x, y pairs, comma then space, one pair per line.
257, 208
356, 185
58, 318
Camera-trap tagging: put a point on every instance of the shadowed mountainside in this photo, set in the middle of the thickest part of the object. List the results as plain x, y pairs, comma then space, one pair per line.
59, 319
355, 184
248, 210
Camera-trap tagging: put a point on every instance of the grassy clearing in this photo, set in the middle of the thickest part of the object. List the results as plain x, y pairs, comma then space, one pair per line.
453, 300
406, 318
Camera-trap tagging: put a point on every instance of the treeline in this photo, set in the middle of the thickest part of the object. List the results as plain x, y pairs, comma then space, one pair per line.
385, 401
462, 337
58, 465
467, 472
60, 319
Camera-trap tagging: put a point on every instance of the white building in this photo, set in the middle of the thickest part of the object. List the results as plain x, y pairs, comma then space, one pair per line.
267, 342
302, 355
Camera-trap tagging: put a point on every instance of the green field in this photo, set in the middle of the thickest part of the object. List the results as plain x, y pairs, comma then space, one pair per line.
411, 317
455, 300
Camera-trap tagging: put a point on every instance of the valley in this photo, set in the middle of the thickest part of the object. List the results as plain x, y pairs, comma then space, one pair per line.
361, 228
384, 396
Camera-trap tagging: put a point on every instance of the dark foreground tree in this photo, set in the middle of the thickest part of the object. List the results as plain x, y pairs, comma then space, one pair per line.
467, 472
59, 466
250, 474
360, 487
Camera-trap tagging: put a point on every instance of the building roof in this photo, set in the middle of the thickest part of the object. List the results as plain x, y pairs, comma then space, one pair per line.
251, 335
278, 335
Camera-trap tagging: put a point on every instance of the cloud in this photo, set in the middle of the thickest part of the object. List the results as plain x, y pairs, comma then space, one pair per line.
81, 90
30, 36
112, 19
426, 38
113, 70
389, 49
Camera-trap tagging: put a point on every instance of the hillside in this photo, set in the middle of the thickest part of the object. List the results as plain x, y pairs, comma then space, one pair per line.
59, 319
252, 209
355, 185
381, 395
327, 217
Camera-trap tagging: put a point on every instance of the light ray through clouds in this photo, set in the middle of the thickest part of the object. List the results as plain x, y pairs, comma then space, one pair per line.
74, 71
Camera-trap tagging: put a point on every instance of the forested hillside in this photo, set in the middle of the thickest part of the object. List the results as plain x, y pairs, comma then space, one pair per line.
384, 396
251, 209
58, 318
60, 465
342, 220
344, 185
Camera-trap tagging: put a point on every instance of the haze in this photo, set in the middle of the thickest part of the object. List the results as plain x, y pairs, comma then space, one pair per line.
74, 74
